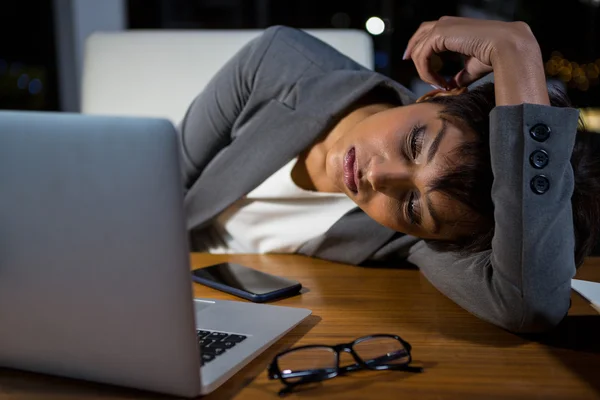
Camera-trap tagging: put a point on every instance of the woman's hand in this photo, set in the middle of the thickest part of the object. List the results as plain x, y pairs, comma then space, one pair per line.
507, 48
479, 40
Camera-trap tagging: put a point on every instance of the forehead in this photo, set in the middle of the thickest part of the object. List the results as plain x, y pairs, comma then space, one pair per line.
433, 114
455, 217
455, 134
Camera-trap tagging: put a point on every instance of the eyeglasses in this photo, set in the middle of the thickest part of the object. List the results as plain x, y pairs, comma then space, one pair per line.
316, 363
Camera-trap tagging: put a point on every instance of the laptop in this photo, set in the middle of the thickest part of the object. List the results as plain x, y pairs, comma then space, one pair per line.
95, 279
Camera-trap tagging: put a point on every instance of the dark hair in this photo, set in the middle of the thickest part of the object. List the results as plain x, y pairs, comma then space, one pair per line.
470, 179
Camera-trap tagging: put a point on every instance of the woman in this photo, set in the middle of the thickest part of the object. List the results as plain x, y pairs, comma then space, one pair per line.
290, 136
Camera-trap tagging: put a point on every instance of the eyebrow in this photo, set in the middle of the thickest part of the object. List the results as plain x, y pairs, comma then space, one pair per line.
435, 145
434, 215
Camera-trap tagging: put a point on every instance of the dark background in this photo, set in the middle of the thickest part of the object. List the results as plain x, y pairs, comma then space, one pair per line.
568, 32
28, 61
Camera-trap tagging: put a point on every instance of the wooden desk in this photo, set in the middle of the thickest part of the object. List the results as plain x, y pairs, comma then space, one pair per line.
464, 357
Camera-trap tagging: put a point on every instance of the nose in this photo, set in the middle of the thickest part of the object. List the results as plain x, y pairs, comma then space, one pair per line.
390, 177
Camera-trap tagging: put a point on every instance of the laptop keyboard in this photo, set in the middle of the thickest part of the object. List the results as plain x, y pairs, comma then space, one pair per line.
213, 344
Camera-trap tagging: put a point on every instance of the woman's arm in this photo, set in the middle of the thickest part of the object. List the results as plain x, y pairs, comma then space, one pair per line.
518, 69
207, 125
523, 283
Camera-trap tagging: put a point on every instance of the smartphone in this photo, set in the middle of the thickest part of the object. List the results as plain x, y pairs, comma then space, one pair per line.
245, 282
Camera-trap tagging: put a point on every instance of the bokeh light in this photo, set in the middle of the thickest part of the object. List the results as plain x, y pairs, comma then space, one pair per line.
375, 26
35, 86
575, 75
382, 59
23, 81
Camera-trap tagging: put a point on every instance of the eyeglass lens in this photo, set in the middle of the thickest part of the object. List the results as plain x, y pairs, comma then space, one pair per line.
381, 351
322, 361
311, 361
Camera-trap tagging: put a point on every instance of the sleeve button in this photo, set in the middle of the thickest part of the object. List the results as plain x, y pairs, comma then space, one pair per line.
539, 159
540, 184
540, 132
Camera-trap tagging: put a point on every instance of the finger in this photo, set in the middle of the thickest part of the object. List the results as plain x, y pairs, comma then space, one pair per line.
419, 34
421, 56
417, 37
462, 79
473, 71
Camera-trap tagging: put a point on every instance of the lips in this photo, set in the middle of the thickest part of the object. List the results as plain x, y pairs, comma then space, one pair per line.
350, 171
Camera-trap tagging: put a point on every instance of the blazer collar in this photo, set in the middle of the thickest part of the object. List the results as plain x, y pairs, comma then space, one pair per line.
327, 96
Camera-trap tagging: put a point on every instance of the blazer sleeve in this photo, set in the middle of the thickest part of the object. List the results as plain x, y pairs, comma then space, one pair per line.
523, 283
207, 125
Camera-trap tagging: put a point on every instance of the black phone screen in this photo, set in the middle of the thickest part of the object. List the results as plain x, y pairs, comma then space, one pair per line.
243, 278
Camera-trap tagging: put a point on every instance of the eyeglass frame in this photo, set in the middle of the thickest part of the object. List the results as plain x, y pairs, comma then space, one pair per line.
274, 371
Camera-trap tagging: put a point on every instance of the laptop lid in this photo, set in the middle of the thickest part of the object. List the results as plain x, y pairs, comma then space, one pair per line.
94, 263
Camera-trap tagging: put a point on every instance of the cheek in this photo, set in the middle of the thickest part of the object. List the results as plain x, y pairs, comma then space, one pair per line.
389, 213
379, 134
386, 211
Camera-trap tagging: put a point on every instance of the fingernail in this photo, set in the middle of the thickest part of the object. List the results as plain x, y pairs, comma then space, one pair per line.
404, 55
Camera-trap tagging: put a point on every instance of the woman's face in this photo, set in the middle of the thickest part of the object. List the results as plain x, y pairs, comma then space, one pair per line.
387, 162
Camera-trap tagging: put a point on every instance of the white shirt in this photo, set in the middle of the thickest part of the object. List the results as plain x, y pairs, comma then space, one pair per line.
276, 217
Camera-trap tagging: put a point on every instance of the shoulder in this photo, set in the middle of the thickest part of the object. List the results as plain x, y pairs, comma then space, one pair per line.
285, 42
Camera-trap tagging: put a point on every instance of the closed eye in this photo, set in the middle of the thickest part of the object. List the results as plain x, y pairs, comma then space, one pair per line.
412, 209
416, 138
414, 146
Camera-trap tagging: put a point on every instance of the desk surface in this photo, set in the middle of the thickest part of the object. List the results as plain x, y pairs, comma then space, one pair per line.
463, 357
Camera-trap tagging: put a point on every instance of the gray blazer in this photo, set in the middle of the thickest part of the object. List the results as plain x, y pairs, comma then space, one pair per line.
285, 88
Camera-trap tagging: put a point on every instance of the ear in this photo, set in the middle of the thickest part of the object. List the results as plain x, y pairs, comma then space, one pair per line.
441, 92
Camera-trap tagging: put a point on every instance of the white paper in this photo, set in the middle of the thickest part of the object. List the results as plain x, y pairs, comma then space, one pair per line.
589, 290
